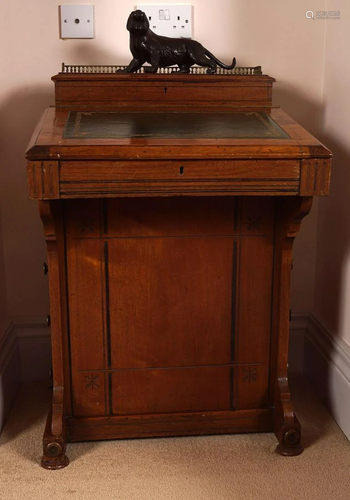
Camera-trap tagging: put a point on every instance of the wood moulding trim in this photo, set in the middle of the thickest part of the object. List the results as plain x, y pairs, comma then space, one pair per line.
297, 331
157, 425
323, 352
31, 328
9, 369
22, 330
301, 323
335, 350
34, 345
8, 343
327, 367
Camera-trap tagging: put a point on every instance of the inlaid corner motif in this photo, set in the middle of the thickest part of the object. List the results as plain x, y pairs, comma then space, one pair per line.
91, 381
86, 226
249, 374
254, 223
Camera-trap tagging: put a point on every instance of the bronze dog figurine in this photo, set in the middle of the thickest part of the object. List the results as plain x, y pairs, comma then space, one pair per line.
161, 51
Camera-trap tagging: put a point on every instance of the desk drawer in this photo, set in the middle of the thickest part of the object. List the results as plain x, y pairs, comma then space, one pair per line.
161, 178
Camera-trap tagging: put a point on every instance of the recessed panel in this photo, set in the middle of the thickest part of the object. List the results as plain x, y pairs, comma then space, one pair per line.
170, 301
172, 390
176, 217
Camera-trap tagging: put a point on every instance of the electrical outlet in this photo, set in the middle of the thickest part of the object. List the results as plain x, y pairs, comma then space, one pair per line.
77, 21
170, 20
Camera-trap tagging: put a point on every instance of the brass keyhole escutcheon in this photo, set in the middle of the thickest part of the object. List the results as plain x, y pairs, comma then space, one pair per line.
181, 172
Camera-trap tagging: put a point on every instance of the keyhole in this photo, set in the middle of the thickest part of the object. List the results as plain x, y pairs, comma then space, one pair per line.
165, 90
181, 170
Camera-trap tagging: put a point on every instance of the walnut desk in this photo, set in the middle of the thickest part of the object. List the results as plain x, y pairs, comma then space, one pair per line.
170, 204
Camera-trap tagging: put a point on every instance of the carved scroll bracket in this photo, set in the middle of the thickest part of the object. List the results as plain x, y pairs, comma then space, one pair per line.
290, 214
55, 434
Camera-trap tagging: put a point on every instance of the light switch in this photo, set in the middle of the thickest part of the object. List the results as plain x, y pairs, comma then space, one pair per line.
77, 21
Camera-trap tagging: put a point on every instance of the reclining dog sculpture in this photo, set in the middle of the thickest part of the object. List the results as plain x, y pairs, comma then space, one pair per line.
161, 51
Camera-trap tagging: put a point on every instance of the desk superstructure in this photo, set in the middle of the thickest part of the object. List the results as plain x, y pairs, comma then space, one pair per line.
170, 204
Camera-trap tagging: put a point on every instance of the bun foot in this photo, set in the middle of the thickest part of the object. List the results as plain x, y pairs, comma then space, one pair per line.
289, 452
54, 445
290, 445
54, 457
288, 435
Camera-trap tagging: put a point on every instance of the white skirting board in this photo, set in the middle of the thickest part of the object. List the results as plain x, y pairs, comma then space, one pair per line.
34, 344
10, 369
298, 329
327, 367
25, 356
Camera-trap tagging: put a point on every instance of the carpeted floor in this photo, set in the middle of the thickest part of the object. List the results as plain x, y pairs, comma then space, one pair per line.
237, 467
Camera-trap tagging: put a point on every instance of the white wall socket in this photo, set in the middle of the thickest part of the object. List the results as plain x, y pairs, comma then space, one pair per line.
170, 20
77, 21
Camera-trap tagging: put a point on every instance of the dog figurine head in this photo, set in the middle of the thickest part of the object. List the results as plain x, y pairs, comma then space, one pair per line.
137, 22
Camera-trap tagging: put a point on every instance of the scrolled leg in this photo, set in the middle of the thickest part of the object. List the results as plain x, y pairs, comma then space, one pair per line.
54, 440
289, 437
54, 456
286, 426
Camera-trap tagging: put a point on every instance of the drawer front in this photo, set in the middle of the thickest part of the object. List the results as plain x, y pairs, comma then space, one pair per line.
160, 93
170, 91
162, 178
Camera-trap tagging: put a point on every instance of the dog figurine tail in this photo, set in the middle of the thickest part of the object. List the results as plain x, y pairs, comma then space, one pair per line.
218, 62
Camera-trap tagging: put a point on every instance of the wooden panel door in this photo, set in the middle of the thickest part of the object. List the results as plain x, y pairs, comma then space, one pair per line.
169, 304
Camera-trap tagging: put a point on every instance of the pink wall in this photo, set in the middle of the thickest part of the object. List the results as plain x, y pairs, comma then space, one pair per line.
332, 297
275, 34
3, 308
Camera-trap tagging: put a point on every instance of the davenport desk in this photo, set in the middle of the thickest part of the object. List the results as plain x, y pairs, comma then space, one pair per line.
170, 204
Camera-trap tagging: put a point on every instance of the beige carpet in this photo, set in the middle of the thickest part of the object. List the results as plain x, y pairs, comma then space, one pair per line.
237, 467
